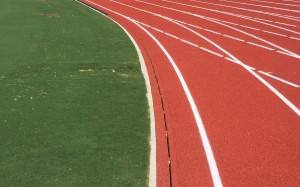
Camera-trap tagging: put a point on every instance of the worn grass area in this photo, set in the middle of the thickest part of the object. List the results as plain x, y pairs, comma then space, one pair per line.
73, 105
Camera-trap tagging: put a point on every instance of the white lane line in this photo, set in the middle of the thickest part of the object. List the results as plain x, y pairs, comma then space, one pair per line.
250, 27
279, 79
263, 6
240, 16
250, 10
156, 29
183, 40
233, 38
285, 53
229, 22
212, 31
211, 51
260, 46
217, 179
277, 3
295, 17
192, 25
172, 35
294, 38
285, 24
266, 20
209, 30
292, 1
203, 17
215, 19
190, 43
274, 33
234, 61
180, 21
195, 45
233, 24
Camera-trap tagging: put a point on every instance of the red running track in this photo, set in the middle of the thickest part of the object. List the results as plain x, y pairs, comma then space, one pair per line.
239, 63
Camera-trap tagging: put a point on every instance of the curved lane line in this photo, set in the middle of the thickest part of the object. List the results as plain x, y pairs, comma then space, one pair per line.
217, 22
214, 53
276, 92
285, 4
256, 11
235, 15
263, 6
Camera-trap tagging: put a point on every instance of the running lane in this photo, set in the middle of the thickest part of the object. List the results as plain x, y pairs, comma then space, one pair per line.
242, 82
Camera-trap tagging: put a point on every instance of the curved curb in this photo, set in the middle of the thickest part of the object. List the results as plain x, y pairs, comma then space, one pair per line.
152, 141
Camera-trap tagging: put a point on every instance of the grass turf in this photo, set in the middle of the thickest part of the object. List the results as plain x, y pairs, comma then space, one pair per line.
73, 105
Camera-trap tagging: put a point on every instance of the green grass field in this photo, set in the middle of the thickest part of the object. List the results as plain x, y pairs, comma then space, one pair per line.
73, 104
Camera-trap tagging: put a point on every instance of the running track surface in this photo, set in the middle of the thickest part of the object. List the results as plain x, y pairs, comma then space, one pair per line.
225, 79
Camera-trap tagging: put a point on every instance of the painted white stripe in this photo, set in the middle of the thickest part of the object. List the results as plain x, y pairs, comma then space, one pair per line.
215, 19
292, 1
195, 26
200, 16
189, 43
186, 23
214, 53
277, 3
212, 31
263, 20
260, 46
144, 24
172, 35
295, 17
250, 10
233, 38
179, 21
185, 41
274, 33
250, 27
229, 22
156, 29
232, 60
242, 16
285, 24
287, 54
263, 6
294, 38
279, 79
